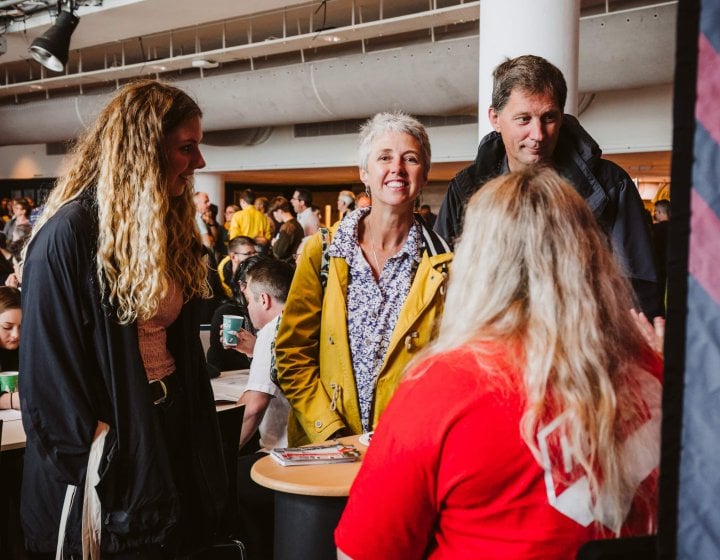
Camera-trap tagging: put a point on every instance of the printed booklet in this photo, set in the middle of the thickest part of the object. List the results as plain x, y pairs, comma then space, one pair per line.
315, 455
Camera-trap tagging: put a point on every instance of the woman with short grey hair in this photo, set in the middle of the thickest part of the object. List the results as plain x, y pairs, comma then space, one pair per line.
366, 296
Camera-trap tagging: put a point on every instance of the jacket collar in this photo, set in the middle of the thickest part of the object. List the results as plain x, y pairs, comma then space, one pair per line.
576, 158
432, 243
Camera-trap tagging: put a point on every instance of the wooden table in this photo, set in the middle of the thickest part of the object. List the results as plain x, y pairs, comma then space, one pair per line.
309, 501
13, 434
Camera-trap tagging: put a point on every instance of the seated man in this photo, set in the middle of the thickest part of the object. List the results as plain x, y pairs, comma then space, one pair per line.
220, 358
268, 283
239, 250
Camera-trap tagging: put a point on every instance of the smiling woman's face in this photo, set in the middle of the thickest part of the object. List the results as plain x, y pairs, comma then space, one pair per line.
182, 153
395, 169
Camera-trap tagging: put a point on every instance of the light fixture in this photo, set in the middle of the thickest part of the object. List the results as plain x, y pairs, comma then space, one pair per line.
52, 48
204, 63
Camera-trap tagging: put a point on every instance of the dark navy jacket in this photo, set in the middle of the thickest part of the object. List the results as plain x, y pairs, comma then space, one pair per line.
607, 188
79, 365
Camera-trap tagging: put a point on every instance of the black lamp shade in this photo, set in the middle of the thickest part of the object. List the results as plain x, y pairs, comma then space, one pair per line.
52, 47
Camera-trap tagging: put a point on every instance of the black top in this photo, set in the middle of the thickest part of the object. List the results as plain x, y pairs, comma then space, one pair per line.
607, 188
218, 358
81, 366
9, 359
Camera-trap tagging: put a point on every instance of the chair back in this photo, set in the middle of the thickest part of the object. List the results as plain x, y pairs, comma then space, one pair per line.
627, 548
230, 421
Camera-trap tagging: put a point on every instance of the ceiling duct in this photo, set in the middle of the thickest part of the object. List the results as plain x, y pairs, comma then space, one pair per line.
237, 137
414, 79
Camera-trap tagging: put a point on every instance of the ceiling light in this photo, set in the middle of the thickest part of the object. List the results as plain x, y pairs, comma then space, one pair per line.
204, 63
328, 37
52, 48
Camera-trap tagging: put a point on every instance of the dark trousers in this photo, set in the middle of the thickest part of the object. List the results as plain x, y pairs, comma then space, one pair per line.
256, 511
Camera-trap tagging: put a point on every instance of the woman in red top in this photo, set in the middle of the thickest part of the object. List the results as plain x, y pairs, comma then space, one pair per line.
541, 398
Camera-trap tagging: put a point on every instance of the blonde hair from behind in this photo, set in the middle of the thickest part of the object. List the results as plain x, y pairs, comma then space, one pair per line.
533, 268
145, 239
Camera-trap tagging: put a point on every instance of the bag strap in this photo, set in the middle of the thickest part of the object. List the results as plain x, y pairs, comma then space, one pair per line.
91, 509
325, 259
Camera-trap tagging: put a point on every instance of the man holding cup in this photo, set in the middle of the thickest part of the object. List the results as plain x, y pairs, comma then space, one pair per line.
266, 408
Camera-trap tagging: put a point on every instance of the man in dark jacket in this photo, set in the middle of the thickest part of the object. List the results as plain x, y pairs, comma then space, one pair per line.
530, 129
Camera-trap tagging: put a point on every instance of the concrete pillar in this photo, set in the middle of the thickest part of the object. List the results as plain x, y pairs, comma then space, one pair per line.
214, 185
510, 28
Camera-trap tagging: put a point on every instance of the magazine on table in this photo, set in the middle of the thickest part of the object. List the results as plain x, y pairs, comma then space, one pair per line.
315, 455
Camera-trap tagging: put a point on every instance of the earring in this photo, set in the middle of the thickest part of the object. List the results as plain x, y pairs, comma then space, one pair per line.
367, 190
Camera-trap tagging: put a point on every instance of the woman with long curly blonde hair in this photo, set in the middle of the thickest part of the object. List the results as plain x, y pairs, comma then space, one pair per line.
116, 397
541, 397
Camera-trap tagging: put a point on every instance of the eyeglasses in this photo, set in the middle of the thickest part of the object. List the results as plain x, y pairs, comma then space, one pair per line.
248, 254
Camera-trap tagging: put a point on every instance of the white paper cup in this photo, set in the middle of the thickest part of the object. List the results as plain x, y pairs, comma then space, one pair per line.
231, 325
8, 381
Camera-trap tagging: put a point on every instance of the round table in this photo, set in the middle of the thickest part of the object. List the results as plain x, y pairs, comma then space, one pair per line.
309, 500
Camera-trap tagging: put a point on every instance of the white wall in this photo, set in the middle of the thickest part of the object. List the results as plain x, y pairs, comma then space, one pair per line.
635, 120
28, 162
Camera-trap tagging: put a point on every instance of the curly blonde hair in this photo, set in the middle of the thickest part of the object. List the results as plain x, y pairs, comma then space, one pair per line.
534, 270
146, 239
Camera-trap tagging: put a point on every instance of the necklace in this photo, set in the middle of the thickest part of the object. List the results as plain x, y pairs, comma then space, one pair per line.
372, 246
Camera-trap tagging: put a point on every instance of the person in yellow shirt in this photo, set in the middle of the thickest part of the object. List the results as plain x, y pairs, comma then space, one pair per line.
249, 221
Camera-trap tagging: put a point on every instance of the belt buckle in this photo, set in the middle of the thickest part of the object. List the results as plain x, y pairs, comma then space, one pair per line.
162, 399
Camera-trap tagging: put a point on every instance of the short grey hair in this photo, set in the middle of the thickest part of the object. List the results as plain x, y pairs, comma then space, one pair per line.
392, 122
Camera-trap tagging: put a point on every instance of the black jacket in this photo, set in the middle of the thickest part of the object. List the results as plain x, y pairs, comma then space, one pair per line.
608, 190
79, 366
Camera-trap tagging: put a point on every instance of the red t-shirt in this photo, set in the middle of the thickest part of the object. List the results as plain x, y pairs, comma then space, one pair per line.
448, 476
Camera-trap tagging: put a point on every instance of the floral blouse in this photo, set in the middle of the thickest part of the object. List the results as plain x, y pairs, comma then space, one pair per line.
373, 306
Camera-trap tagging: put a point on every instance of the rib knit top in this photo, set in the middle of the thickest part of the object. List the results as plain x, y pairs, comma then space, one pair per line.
152, 337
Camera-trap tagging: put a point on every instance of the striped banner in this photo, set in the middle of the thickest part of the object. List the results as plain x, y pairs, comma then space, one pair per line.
698, 516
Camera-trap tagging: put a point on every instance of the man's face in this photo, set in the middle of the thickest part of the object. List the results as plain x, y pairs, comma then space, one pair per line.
659, 215
241, 254
297, 204
529, 125
202, 203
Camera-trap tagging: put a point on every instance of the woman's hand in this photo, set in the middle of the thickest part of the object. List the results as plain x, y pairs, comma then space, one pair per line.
12, 280
654, 333
10, 400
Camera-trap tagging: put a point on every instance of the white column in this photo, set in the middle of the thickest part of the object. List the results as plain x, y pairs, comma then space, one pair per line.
510, 28
214, 185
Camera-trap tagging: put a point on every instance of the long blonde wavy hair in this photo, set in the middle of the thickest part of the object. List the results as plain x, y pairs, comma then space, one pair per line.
146, 238
532, 269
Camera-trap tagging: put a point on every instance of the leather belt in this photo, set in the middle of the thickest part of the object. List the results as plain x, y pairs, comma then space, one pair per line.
163, 389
